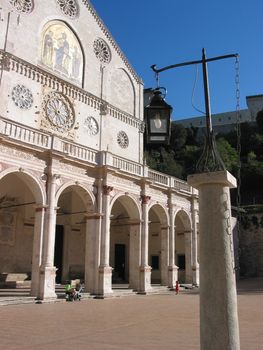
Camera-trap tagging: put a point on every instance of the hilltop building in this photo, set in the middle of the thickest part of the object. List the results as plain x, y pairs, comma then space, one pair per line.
76, 200
225, 122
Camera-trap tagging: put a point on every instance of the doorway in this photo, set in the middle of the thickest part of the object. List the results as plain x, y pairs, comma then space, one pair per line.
58, 256
119, 263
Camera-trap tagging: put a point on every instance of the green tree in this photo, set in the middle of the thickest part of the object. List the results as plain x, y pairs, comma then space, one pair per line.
228, 154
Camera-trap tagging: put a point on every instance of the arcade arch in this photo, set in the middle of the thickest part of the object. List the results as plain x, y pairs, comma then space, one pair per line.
21, 227
74, 204
125, 241
158, 244
183, 244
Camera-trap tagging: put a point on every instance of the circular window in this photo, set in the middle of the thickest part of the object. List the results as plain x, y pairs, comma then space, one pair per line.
22, 97
69, 7
123, 139
91, 125
59, 111
102, 51
22, 6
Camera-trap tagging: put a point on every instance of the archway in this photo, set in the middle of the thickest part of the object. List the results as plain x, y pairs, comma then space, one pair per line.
124, 241
21, 225
183, 244
158, 245
74, 204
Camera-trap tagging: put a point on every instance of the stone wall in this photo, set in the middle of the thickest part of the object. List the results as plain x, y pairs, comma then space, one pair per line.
251, 242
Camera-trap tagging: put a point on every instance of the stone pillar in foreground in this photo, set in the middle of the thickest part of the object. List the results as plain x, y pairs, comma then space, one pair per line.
105, 270
145, 269
172, 268
218, 299
37, 249
47, 269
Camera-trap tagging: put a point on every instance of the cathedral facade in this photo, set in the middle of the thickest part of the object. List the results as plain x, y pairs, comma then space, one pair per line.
76, 199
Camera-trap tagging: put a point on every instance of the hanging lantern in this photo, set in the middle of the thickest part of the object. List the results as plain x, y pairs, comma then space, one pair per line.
158, 119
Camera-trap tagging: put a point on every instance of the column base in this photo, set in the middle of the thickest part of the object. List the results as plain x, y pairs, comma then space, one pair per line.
195, 275
172, 276
47, 283
105, 284
145, 280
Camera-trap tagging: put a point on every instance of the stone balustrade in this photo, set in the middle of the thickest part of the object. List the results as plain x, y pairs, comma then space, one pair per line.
25, 134
41, 140
127, 166
41, 76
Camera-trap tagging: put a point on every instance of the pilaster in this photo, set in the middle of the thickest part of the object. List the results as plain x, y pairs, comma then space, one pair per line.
105, 270
145, 269
91, 247
134, 257
172, 268
47, 269
164, 255
37, 249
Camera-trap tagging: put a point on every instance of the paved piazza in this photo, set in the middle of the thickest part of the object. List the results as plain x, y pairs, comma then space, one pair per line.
136, 322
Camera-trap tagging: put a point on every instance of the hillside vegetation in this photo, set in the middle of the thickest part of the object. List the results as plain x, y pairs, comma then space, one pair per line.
179, 159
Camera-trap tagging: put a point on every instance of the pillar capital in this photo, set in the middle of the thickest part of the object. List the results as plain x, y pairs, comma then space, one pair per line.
145, 199
107, 190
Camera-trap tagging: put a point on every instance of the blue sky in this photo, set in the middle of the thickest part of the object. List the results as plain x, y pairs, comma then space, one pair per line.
171, 31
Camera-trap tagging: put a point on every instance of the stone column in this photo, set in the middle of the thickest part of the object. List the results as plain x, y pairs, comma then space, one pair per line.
172, 268
218, 299
134, 256
164, 255
145, 269
48, 270
37, 249
188, 256
105, 270
91, 265
195, 264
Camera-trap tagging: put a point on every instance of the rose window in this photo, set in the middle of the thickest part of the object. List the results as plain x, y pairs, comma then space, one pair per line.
22, 97
102, 51
69, 7
91, 125
24, 6
122, 139
59, 111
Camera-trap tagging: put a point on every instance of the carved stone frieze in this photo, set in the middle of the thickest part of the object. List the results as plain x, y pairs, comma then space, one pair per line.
72, 169
17, 153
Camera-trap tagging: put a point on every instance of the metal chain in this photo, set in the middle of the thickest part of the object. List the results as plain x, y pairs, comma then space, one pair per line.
238, 148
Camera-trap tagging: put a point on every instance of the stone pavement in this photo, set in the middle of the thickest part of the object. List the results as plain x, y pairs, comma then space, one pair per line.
130, 323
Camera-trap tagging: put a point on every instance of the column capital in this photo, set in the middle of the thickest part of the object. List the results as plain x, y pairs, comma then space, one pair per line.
92, 216
145, 199
40, 207
107, 190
